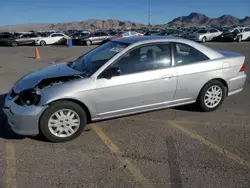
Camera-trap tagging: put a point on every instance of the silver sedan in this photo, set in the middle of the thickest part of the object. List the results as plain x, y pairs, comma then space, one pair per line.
124, 76
204, 35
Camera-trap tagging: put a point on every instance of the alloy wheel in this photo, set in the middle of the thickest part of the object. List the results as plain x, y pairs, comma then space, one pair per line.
64, 123
213, 96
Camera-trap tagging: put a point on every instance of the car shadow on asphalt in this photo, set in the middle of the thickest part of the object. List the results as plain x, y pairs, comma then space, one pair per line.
5, 130
188, 107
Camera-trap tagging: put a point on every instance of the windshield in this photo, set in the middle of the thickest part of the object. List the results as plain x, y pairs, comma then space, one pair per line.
235, 30
92, 61
161, 33
202, 31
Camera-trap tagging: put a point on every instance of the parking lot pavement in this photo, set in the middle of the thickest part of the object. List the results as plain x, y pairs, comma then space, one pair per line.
173, 148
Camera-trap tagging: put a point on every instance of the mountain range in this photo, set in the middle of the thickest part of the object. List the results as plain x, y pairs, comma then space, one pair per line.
196, 19
87, 24
193, 19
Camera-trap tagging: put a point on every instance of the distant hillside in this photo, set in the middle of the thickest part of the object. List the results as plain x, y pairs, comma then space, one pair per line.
88, 24
195, 19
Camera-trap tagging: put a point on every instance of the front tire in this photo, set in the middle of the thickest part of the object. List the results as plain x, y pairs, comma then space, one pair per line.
63, 121
14, 44
203, 40
42, 43
211, 96
239, 38
88, 43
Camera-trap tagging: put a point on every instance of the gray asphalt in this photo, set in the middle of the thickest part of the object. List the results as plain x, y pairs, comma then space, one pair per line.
172, 148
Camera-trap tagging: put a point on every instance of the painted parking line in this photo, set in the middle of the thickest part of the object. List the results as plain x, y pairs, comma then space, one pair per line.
10, 178
166, 121
215, 147
210, 144
136, 173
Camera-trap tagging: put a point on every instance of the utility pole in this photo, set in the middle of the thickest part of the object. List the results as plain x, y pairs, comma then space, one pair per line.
149, 12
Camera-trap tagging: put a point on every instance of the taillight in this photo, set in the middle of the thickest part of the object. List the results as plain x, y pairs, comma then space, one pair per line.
243, 68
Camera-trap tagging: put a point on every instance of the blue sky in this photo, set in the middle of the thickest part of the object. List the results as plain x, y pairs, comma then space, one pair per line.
162, 11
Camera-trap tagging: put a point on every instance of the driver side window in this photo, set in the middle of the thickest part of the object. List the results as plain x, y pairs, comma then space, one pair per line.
144, 58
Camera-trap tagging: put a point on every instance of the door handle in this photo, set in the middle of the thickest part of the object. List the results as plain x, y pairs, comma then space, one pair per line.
168, 76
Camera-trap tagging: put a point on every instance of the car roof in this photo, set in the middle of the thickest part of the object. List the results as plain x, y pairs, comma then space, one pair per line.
131, 40
134, 41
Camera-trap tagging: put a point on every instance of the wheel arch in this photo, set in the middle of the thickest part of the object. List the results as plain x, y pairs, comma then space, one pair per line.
81, 104
215, 79
14, 41
42, 40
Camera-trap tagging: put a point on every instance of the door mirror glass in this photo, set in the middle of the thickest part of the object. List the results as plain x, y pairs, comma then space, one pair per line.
112, 71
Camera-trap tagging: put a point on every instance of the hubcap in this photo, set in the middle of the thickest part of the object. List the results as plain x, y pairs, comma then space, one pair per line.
213, 96
64, 123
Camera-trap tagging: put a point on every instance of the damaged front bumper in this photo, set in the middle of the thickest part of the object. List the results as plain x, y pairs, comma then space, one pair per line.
23, 120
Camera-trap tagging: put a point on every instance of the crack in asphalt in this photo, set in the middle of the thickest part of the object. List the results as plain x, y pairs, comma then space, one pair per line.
173, 162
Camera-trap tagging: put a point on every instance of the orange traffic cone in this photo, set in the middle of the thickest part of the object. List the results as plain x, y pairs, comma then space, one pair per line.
37, 54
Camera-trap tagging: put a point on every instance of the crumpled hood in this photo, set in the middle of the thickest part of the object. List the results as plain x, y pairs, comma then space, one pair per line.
30, 80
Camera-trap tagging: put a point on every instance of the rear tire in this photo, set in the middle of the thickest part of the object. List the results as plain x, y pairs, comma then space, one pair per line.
65, 126
14, 44
211, 96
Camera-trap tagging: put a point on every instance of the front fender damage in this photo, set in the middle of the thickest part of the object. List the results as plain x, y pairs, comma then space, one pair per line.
32, 96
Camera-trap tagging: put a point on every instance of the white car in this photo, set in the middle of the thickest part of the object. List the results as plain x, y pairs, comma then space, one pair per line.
128, 34
53, 38
204, 35
244, 34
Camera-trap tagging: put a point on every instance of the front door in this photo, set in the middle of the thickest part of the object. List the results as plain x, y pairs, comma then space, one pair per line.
147, 81
95, 38
53, 39
103, 37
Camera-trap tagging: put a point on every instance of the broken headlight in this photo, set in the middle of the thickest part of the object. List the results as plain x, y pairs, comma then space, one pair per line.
27, 98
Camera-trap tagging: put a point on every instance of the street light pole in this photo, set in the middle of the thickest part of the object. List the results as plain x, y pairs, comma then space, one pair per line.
149, 12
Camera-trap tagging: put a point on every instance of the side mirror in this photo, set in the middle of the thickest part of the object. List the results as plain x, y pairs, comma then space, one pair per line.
113, 71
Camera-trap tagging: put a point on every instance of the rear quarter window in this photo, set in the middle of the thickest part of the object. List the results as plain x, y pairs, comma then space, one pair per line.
185, 54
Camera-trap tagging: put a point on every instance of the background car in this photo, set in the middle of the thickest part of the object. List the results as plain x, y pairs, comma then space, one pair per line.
152, 32
76, 37
5, 36
129, 34
94, 38
170, 32
230, 35
244, 34
204, 35
22, 39
54, 38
